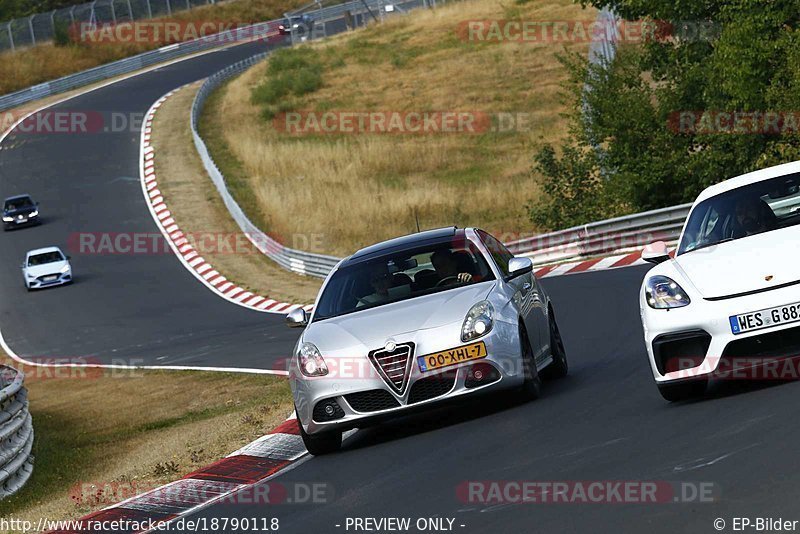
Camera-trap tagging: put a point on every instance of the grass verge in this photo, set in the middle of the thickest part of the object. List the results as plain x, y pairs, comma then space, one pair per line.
199, 211
357, 189
127, 431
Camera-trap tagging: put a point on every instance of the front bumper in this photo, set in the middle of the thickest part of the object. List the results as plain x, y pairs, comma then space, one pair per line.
44, 281
21, 223
359, 397
696, 341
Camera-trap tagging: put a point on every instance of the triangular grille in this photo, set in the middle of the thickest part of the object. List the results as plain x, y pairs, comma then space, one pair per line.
394, 366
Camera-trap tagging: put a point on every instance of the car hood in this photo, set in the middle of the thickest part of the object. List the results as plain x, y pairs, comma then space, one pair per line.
21, 211
47, 268
371, 328
748, 264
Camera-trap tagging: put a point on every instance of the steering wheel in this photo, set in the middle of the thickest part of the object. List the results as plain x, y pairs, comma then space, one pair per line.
446, 279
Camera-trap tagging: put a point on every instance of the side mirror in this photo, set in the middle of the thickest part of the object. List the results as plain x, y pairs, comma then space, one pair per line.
297, 318
655, 252
519, 266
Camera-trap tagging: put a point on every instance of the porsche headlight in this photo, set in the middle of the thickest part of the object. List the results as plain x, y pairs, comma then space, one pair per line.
478, 322
33, 214
65, 269
8, 219
310, 360
663, 293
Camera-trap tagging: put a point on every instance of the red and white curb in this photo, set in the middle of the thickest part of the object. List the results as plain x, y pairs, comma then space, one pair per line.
189, 256
594, 264
232, 479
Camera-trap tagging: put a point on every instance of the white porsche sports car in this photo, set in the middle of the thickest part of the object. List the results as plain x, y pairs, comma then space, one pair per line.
728, 304
46, 267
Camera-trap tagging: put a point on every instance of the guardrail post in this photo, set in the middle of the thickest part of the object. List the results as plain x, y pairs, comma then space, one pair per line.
30, 26
10, 36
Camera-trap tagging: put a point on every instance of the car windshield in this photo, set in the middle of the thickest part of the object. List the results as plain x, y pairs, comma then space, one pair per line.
46, 257
403, 275
18, 203
742, 212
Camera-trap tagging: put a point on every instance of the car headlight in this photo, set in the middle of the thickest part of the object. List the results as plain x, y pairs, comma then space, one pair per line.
310, 360
8, 219
65, 269
33, 214
478, 322
29, 275
663, 293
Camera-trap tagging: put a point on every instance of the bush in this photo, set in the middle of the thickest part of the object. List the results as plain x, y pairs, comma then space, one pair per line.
627, 111
292, 72
61, 33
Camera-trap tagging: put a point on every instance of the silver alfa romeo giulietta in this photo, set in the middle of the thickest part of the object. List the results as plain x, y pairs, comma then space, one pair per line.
415, 321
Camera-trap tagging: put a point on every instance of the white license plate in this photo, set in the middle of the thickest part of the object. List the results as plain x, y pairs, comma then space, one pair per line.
747, 322
51, 278
20, 221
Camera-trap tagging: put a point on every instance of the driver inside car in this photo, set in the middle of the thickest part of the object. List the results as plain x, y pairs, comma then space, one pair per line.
446, 265
753, 216
381, 280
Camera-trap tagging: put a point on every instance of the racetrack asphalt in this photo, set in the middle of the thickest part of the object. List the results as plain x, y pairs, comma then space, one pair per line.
131, 309
604, 422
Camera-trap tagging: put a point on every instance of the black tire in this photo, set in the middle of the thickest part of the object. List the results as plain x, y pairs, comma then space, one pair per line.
324, 443
683, 390
531, 388
559, 367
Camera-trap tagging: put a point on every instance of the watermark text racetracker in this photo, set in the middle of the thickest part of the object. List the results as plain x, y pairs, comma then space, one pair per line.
105, 493
145, 243
491, 492
72, 122
585, 31
354, 122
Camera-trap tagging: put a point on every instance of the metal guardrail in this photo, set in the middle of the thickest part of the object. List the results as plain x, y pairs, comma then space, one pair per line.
597, 238
16, 432
41, 28
134, 63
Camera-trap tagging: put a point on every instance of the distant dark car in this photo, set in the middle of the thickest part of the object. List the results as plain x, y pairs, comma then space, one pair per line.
299, 25
19, 211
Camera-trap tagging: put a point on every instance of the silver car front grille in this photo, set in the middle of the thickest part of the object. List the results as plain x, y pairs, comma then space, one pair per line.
395, 366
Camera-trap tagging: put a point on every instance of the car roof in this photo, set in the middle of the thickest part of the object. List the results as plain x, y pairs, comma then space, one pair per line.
17, 197
44, 250
749, 178
401, 243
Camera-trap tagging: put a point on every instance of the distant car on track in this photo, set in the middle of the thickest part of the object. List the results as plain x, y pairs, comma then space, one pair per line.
729, 301
19, 211
46, 267
414, 321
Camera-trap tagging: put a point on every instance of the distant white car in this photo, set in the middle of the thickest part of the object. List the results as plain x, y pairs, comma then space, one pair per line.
728, 304
46, 267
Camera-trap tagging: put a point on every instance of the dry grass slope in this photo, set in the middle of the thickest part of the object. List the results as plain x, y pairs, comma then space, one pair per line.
359, 189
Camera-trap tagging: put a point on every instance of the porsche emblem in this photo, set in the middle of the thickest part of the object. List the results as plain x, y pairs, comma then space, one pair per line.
768, 278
